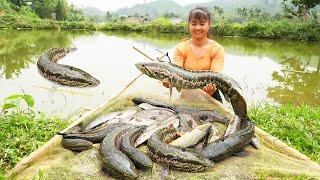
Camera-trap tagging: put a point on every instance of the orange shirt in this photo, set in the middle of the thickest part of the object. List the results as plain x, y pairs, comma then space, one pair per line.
212, 60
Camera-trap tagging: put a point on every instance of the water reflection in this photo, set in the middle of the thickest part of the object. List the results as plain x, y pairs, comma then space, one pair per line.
297, 84
297, 80
19, 48
280, 71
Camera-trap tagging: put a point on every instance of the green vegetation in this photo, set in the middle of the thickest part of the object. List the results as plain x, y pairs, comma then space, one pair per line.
269, 30
298, 126
22, 130
296, 20
42, 15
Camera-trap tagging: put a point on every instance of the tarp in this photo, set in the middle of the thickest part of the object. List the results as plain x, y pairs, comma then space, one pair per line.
275, 159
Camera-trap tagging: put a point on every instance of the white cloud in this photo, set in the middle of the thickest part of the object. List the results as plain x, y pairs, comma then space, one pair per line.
112, 5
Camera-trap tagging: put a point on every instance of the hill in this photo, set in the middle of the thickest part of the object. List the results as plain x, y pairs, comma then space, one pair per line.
153, 8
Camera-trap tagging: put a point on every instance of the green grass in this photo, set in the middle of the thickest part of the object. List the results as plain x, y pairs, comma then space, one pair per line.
22, 133
298, 126
283, 29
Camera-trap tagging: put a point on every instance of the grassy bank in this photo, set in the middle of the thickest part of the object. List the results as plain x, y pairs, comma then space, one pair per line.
23, 131
15, 17
307, 31
284, 29
11, 21
298, 126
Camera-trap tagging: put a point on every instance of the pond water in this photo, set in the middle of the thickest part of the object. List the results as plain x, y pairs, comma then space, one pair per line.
268, 70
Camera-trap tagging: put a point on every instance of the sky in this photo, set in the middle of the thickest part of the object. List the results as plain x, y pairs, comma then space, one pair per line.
113, 5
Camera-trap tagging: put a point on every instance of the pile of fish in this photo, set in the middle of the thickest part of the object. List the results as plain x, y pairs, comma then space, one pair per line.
179, 138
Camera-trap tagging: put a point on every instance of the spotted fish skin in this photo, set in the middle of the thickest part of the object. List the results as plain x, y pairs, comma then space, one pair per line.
116, 163
189, 79
63, 74
237, 135
94, 136
197, 114
228, 145
175, 157
76, 144
127, 146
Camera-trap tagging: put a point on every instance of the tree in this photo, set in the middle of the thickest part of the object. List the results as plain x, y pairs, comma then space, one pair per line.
61, 10
18, 2
44, 8
108, 16
243, 13
75, 14
218, 10
300, 8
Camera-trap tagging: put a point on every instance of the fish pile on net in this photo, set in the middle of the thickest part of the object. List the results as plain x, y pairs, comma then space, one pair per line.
180, 138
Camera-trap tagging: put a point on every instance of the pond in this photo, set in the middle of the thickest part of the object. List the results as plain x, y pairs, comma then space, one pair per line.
276, 71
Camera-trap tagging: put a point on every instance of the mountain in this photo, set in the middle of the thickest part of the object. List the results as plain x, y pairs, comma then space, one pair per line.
230, 6
92, 11
159, 7
154, 8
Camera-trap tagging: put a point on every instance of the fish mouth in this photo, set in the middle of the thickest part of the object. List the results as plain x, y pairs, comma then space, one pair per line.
141, 66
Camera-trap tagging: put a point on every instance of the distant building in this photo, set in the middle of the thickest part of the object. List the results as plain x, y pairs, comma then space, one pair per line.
136, 18
175, 20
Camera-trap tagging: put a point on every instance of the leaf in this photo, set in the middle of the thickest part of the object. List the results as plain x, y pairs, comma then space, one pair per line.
17, 98
14, 101
8, 106
29, 100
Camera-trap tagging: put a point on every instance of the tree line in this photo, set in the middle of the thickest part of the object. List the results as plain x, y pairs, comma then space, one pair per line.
52, 9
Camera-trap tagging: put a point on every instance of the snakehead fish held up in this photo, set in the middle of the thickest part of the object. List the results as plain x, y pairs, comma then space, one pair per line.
187, 79
63, 74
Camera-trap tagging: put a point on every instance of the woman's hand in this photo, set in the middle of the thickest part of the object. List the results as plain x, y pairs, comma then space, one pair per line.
166, 83
210, 89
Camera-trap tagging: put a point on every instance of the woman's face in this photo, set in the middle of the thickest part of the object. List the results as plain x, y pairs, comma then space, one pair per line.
199, 28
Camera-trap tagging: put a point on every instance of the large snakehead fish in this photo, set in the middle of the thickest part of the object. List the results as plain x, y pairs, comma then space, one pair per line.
63, 74
187, 79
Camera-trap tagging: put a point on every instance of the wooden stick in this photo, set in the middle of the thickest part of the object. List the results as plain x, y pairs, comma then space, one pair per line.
65, 91
126, 87
143, 53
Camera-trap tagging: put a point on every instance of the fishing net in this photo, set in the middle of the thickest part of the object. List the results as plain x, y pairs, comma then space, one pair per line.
273, 160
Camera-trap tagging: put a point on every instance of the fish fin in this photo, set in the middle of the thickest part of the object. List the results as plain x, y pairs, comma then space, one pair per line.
62, 134
170, 88
255, 142
243, 153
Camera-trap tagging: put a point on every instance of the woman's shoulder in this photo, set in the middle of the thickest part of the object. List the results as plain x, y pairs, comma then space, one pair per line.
182, 45
214, 44
215, 48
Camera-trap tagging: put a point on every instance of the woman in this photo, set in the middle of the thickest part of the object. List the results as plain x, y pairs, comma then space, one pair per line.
199, 52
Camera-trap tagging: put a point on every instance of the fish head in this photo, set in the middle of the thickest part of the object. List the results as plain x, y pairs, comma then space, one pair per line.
90, 81
156, 70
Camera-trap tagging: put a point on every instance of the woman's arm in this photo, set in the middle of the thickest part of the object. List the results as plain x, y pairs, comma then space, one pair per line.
217, 61
178, 57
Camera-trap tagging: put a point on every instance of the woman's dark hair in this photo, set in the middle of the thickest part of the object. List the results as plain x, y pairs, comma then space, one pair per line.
199, 13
